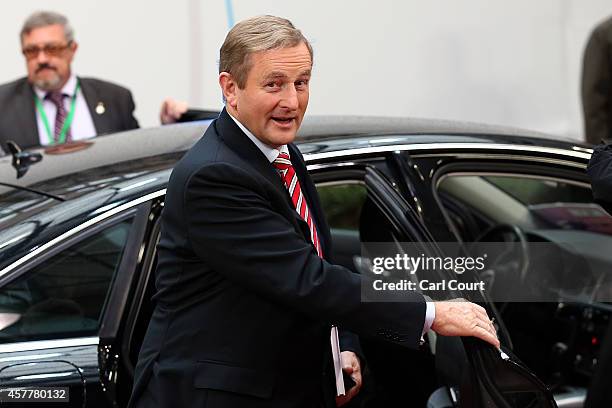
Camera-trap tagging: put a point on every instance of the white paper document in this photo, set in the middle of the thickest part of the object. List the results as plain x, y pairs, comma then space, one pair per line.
335, 347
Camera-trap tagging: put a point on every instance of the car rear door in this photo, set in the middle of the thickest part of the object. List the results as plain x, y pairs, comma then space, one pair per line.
56, 303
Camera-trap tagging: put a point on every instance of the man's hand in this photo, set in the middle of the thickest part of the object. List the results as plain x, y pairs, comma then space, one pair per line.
351, 366
462, 318
171, 110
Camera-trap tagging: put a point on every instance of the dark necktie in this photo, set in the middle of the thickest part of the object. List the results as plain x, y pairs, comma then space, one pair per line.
57, 97
283, 165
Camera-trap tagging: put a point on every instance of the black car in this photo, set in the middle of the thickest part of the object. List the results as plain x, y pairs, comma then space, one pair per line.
79, 226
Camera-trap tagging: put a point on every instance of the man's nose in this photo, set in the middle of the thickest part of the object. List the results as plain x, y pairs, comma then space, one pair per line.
290, 98
42, 57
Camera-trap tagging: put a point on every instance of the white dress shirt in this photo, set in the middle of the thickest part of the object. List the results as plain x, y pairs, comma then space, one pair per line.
82, 126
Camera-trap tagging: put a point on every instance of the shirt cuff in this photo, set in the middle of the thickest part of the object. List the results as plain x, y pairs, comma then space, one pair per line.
430, 315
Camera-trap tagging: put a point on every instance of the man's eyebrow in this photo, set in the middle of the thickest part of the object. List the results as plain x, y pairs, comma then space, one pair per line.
275, 75
278, 74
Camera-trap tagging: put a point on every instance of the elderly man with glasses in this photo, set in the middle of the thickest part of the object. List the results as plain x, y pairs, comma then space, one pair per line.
52, 105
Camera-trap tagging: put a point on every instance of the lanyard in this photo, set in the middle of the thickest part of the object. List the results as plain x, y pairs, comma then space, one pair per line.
67, 122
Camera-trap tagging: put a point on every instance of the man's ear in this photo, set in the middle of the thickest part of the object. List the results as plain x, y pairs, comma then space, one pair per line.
229, 88
72, 47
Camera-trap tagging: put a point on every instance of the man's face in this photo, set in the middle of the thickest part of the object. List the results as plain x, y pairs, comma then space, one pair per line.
48, 56
275, 96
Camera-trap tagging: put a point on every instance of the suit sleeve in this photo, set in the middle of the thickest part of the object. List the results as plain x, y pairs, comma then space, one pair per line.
596, 89
350, 342
234, 228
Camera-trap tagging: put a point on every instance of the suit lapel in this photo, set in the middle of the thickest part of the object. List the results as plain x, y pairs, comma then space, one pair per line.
236, 140
231, 134
26, 132
93, 100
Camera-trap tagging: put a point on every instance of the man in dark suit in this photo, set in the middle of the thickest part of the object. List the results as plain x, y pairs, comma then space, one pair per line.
597, 84
52, 105
245, 298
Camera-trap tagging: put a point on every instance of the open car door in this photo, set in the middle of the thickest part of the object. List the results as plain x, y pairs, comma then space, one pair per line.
469, 372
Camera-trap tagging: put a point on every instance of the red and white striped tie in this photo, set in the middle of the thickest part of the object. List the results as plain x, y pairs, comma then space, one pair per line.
283, 165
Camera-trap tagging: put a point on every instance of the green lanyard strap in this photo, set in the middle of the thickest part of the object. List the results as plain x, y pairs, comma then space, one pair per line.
67, 122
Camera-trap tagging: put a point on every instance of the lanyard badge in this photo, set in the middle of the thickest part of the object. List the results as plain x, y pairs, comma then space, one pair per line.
67, 122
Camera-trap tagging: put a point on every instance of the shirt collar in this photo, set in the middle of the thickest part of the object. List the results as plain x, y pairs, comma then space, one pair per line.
271, 153
68, 88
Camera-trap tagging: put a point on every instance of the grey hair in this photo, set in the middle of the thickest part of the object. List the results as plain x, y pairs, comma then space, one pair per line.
262, 33
46, 18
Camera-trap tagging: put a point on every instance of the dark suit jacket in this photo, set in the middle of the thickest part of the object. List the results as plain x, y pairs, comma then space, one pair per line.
244, 304
18, 110
597, 84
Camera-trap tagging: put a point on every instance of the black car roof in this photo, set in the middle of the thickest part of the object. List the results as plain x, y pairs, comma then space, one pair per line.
122, 155
335, 126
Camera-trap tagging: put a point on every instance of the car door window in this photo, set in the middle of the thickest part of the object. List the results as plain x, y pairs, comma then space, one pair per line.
354, 219
64, 296
476, 202
342, 203
533, 191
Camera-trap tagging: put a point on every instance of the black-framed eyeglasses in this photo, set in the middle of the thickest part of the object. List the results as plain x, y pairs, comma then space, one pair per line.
52, 50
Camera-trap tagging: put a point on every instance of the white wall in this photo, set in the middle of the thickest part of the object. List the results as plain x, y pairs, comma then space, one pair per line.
505, 62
